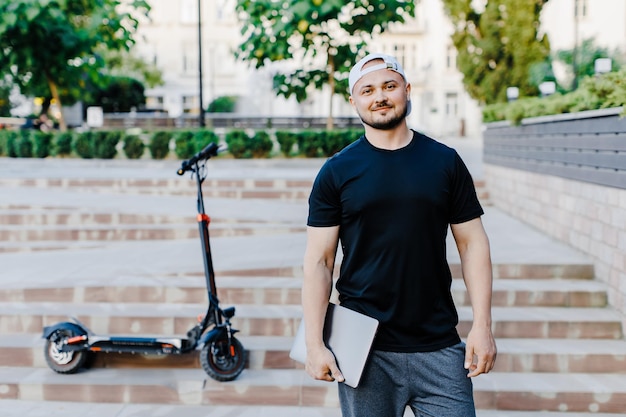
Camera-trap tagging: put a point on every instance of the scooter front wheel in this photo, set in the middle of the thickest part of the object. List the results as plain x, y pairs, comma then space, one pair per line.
63, 362
223, 359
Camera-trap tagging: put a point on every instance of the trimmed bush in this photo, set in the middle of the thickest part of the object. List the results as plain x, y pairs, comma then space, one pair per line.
286, 140
4, 137
160, 144
43, 144
11, 144
84, 145
133, 147
203, 137
309, 142
105, 143
24, 144
237, 141
260, 145
185, 146
63, 143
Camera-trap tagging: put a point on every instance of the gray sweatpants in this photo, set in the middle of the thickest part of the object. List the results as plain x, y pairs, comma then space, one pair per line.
432, 384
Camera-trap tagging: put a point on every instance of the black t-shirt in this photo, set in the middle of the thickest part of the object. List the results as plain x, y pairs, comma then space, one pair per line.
394, 209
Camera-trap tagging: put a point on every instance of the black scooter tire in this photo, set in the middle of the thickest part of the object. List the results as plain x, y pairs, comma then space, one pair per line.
218, 362
63, 362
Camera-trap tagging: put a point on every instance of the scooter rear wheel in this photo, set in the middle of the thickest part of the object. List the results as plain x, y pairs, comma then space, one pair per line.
223, 361
63, 362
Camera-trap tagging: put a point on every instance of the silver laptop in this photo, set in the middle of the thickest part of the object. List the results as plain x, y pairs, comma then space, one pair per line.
348, 334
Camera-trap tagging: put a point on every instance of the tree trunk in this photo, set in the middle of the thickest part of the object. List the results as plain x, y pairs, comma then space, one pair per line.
55, 96
331, 83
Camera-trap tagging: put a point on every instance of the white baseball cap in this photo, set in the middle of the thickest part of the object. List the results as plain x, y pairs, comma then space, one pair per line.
357, 72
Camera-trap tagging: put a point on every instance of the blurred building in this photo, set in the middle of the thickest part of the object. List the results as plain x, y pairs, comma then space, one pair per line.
440, 105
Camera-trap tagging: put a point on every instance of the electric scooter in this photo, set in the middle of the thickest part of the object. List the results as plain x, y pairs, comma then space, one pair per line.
69, 344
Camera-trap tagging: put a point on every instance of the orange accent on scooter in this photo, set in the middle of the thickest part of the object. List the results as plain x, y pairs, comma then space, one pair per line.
232, 350
95, 349
204, 218
76, 339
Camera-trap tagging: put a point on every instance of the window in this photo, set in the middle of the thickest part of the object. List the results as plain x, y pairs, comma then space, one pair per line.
452, 104
189, 11
155, 102
189, 60
190, 103
451, 57
400, 53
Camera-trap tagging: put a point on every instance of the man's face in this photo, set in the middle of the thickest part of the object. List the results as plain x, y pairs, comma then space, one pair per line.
380, 98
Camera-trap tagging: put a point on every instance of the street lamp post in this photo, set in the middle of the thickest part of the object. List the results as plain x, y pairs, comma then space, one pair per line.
201, 116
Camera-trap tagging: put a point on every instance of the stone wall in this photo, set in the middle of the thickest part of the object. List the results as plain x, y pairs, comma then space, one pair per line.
586, 216
566, 176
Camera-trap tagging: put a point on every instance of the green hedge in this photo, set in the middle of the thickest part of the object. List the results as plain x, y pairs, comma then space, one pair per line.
597, 92
241, 144
134, 147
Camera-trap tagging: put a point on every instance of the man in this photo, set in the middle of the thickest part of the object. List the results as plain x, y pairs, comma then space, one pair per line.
389, 198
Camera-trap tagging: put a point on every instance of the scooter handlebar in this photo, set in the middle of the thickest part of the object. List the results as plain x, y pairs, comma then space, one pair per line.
206, 153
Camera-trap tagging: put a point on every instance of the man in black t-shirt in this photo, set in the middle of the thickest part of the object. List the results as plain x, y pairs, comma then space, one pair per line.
389, 199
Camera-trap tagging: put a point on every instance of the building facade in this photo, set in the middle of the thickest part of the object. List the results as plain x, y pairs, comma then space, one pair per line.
441, 107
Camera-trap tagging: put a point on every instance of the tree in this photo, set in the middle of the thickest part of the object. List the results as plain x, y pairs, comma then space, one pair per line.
121, 94
498, 46
324, 38
48, 47
124, 63
586, 55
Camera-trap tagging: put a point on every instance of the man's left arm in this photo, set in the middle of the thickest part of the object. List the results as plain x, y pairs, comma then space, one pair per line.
473, 246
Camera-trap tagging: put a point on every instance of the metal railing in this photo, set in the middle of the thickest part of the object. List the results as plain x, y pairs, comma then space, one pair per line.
586, 146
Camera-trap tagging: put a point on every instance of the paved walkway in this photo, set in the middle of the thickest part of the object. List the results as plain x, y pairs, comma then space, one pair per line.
147, 262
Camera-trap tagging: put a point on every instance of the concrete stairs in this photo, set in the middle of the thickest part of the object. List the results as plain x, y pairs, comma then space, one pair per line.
562, 351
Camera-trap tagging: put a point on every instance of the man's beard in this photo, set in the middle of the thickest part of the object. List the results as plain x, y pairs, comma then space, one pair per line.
387, 124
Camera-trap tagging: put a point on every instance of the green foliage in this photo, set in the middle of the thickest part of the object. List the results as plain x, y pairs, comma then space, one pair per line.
185, 144
43, 144
105, 143
323, 37
11, 143
123, 63
133, 146
4, 137
203, 137
84, 145
586, 55
160, 144
238, 141
223, 104
597, 92
286, 140
24, 144
335, 140
309, 143
260, 145
120, 94
498, 47
63, 143
49, 48
5, 101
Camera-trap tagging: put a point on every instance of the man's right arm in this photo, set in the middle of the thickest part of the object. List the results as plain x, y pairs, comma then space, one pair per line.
319, 262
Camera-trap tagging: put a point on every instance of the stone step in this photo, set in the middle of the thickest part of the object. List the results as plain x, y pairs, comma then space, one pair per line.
514, 355
125, 232
17, 408
283, 320
174, 184
602, 393
283, 290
